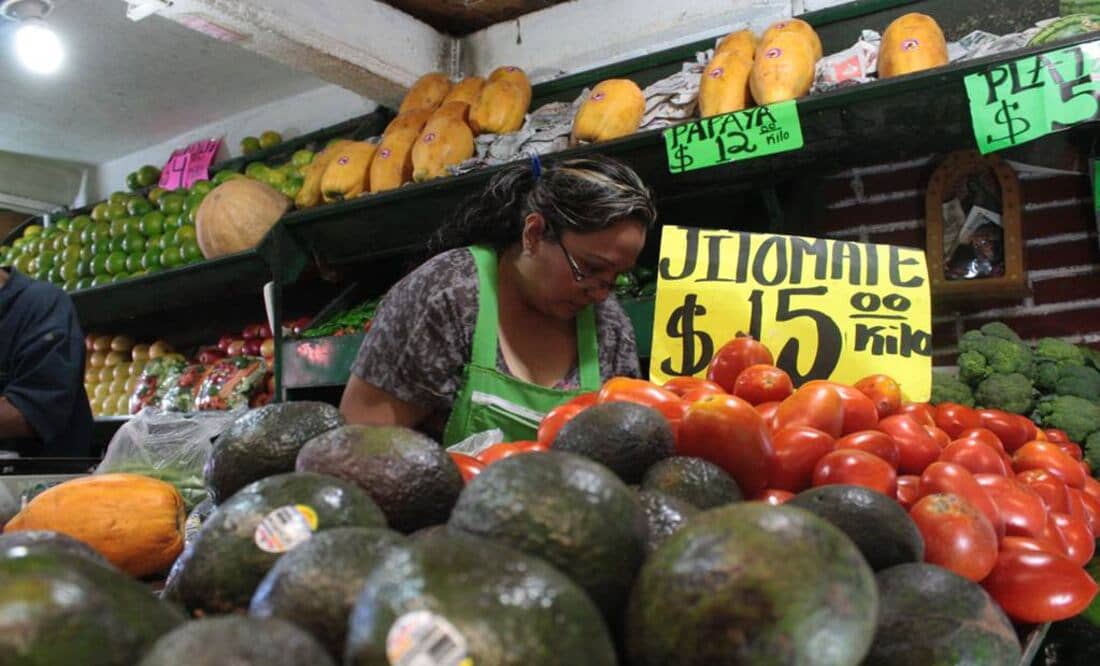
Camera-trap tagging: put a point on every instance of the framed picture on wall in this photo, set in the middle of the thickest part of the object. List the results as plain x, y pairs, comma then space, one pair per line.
973, 225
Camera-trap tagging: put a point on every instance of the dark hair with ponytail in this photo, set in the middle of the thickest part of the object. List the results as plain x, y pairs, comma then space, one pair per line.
581, 195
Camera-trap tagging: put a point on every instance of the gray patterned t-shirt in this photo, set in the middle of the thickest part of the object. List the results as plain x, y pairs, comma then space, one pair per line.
420, 340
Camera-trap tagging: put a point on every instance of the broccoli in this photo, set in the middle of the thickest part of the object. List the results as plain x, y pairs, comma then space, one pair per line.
948, 388
1079, 381
1092, 356
982, 356
1046, 377
1091, 446
1077, 416
1053, 350
998, 329
1012, 393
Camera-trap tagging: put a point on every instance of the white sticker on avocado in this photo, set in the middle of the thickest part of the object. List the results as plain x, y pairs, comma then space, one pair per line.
422, 638
285, 527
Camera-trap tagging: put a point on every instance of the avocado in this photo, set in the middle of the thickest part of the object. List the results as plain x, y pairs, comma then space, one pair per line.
240, 641
196, 518
18, 544
58, 608
930, 616
877, 524
315, 585
219, 571
751, 583
570, 511
409, 475
491, 604
693, 480
625, 437
664, 515
263, 442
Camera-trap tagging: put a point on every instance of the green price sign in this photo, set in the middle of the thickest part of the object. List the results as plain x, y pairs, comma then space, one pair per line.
741, 135
1023, 100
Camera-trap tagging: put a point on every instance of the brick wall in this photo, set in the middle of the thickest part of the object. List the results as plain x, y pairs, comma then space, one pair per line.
885, 204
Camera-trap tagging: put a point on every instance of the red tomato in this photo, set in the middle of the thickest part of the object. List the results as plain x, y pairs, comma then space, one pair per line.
1053, 490
1021, 508
682, 385
1047, 455
767, 410
1012, 429
1040, 436
957, 536
815, 405
857, 468
955, 419
941, 437
555, 420
532, 446
908, 490
728, 432
468, 466
875, 442
1091, 507
984, 435
762, 383
917, 448
701, 392
733, 357
796, 452
921, 412
976, 456
951, 479
859, 410
1056, 435
1072, 450
1029, 544
628, 389
1077, 537
1038, 587
500, 452
774, 496
883, 391
1092, 487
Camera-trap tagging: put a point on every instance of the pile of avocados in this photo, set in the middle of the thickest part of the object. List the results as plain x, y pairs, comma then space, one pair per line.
325, 543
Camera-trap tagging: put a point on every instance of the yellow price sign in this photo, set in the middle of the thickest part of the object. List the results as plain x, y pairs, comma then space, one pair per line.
827, 309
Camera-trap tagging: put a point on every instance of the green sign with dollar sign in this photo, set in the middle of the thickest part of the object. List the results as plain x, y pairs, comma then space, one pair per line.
741, 135
1019, 101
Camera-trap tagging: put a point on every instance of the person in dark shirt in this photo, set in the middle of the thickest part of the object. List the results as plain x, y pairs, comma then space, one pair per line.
44, 410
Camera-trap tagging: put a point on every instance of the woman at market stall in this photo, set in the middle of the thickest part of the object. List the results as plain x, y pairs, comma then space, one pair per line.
512, 315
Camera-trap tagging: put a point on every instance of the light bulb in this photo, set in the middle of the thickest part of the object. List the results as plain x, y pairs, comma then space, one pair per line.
38, 47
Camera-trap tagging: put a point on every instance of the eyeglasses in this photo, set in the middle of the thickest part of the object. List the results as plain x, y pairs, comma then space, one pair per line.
586, 280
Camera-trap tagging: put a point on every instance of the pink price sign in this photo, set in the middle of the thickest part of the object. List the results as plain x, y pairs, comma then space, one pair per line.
189, 165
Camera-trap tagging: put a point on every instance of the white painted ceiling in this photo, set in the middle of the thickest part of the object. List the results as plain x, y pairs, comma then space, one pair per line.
126, 85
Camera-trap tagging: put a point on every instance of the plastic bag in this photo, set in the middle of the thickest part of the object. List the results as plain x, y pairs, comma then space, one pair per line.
182, 388
231, 383
478, 442
155, 380
169, 447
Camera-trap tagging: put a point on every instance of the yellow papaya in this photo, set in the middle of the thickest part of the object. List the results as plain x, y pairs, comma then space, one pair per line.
742, 43
467, 91
784, 69
500, 108
392, 164
453, 109
427, 93
446, 140
310, 193
614, 108
724, 86
911, 43
348, 174
517, 77
793, 26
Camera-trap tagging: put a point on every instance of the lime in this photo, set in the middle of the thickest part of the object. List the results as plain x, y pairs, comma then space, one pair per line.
185, 233
54, 275
133, 262
100, 280
155, 243
173, 221
23, 264
274, 178
257, 170
152, 223
118, 227
77, 269
116, 263
47, 259
100, 232
249, 145
99, 264
170, 238
302, 158
18, 244
270, 139
193, 201
192, 216
118, 198
202, 187
170, 257
70, 285
118, 244
64, 224
290, 188
70, 253
42, 275
87, 252
148, 175
190, 251
171, 203
84, 283
224, 175
80, 221
48, 232
119, 277
155, 194
132, 181
100, 211
139, 273
32, 230
139, 206
151, 259
116, 210
133, 243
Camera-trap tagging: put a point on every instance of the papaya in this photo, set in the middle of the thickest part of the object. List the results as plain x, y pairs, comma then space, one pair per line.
453, 109
784, 69
392, 164
500, 108
911, 43
742, 43
724, 86
517, 77
427, 93
348, 174
310, 194
446, 140
794, 27
613, 109
465, 91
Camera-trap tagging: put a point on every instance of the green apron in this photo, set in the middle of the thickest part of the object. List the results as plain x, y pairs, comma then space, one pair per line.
491, 399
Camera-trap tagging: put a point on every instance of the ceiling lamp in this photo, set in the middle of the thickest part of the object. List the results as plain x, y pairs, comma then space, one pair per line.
36, 45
